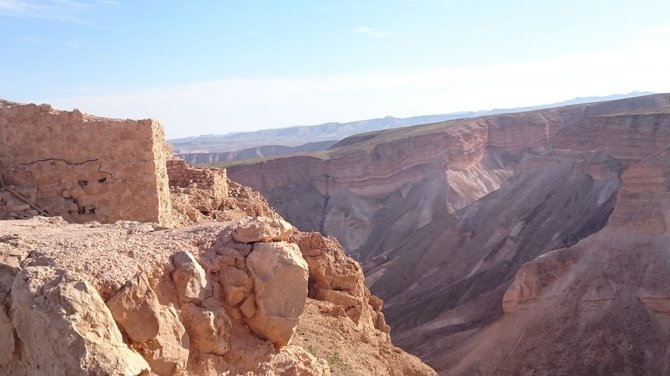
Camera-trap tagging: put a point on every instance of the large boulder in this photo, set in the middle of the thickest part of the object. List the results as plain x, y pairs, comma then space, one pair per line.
65, 327
280, 277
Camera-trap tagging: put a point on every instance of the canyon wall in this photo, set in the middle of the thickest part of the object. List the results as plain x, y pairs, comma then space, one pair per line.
81, 167
444, 216
245, 297
598, 307
377, 187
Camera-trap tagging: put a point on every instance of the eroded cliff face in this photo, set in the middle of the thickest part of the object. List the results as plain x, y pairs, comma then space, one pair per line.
348, 195
445, 216
598, 307
379, 187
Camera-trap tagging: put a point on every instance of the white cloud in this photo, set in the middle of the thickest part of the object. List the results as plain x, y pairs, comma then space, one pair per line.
246, 104
373, 33
61, 10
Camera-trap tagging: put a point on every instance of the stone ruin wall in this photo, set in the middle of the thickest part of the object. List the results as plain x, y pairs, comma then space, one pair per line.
81, 167
182, 175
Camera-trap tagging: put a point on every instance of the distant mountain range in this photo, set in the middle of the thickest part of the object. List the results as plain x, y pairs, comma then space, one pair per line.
254, 152
214, 148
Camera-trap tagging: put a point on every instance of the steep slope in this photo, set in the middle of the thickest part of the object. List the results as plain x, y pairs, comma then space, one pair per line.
444, 215
607, 296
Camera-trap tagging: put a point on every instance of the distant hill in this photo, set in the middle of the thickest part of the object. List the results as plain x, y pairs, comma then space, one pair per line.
214, 148
254, 152
298, 135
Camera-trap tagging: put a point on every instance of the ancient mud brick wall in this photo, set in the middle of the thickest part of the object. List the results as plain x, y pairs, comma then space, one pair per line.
83, 167
183, 176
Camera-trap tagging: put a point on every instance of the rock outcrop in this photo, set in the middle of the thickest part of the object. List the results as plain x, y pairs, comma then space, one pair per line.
279, 275
194, 301
65, 328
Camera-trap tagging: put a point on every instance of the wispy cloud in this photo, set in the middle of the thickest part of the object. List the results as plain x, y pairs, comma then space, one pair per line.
59, 10
373, 33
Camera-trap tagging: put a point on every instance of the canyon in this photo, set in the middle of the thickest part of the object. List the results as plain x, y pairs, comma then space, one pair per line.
530, 243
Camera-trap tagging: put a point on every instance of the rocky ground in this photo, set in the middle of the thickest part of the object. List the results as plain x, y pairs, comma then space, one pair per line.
245, 295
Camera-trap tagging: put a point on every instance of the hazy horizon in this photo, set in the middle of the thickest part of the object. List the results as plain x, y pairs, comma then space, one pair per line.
235, 66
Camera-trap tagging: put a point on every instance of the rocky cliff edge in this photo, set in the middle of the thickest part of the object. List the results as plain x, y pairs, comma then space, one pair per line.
249, 296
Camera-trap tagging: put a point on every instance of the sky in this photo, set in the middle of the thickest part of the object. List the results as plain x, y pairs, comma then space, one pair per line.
213, 67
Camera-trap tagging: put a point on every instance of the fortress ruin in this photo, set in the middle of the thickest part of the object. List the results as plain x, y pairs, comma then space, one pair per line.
86, 168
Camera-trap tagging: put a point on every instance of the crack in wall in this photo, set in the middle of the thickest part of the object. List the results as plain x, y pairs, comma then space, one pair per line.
61, 160
100, 170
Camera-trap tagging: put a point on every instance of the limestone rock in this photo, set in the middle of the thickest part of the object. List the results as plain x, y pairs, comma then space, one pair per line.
334, 277
136, 308
248, 308
168, 352
111, 263
352, 305
329, 267
65, 327
208, 330
261, 229
280, 283
155, 329
236, 284
190, 279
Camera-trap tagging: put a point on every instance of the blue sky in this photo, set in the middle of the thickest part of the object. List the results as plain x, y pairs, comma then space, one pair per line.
204, 67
